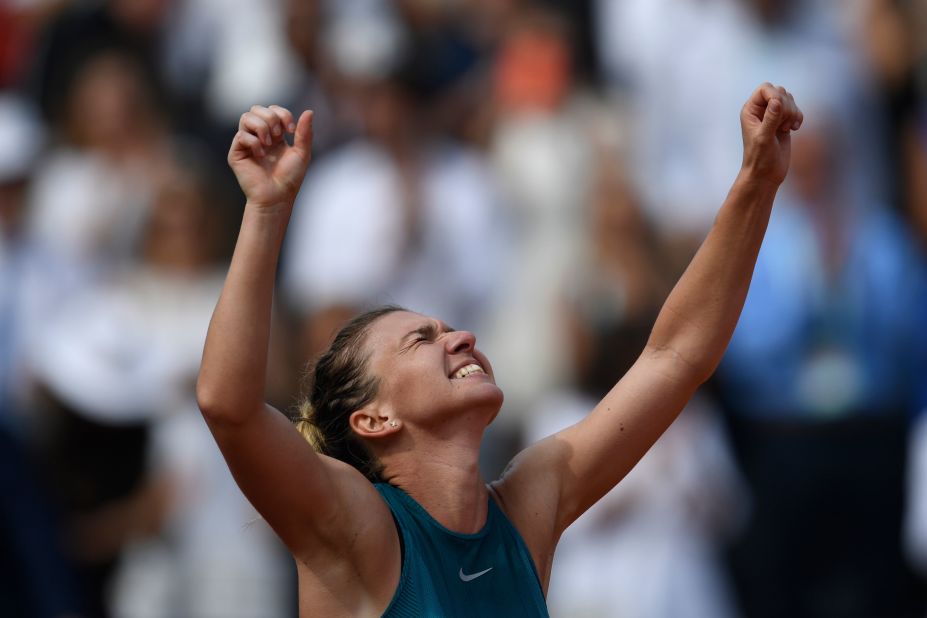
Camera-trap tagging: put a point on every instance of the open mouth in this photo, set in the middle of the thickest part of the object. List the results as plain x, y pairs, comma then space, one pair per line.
467, 370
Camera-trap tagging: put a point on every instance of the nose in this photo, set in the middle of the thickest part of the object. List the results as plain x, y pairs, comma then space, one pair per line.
459, 341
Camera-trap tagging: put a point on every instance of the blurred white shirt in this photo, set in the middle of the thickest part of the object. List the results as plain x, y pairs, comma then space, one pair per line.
347, 243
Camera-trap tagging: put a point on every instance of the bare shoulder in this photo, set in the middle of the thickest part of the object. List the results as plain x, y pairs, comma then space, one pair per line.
355, 569
529, 494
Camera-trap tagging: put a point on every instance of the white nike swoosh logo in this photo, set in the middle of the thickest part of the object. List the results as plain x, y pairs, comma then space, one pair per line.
467, 578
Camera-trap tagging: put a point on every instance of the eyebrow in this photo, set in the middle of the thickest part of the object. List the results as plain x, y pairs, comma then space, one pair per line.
430, 330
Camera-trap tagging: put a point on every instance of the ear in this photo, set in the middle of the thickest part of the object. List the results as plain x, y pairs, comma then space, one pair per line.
373, 422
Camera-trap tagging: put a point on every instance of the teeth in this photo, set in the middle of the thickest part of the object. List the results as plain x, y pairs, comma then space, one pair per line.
466, 370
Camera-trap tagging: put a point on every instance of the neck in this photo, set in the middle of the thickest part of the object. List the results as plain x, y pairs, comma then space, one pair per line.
444, 477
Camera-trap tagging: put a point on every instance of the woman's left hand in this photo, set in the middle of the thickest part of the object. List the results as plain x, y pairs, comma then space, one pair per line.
767, 120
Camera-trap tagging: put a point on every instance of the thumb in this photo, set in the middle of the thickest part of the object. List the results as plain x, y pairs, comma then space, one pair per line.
302, 141
772, 116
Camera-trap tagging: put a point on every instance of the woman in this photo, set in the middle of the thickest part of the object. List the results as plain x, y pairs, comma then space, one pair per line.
406, 399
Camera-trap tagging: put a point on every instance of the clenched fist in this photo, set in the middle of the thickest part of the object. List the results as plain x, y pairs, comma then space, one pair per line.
767, 120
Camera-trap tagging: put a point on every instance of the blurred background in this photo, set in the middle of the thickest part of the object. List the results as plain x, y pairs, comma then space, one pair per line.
539, 172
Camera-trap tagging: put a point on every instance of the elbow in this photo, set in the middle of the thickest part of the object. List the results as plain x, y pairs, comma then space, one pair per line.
706, 367
687, 370
213, 401
207, 399
696, 371
221, 403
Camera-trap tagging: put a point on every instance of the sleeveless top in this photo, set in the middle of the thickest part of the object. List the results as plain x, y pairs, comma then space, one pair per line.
446, 573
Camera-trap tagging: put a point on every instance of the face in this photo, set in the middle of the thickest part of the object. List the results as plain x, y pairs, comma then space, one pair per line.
178, 235
429, 373
111, 89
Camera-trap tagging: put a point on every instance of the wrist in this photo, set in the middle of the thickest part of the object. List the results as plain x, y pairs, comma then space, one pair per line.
273, 210
753, 181
273, 219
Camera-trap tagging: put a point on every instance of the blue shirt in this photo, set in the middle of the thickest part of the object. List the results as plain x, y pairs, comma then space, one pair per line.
446, 573
815, 346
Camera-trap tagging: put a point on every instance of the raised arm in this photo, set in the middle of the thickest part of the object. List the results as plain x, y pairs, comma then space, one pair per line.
231, 381
574, 468
297, 491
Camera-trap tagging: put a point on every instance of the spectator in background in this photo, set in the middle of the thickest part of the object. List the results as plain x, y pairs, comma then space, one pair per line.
821, 376
913, 170
79, 31
127, 452
212, 555
31, 548
93, 189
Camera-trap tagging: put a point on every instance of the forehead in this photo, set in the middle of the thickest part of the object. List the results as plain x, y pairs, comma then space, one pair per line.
387, 332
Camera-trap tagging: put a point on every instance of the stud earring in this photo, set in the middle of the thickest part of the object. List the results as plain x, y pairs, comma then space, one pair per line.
393, 424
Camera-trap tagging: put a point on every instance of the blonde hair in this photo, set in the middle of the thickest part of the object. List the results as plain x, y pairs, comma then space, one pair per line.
306, 425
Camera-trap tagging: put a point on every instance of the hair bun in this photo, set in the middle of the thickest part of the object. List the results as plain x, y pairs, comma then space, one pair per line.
305, 424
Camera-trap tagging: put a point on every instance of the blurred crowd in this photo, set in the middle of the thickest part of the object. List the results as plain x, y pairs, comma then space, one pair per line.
539, 172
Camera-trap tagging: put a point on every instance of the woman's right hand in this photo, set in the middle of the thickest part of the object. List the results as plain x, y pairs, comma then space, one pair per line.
268, 169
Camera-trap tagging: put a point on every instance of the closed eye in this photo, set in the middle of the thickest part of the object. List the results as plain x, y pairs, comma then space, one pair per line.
422, 334
425, 333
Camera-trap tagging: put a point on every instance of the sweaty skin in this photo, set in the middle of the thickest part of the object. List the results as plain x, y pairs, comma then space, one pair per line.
427, 422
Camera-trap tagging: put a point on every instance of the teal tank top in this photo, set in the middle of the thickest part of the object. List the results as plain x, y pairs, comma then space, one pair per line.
445, 573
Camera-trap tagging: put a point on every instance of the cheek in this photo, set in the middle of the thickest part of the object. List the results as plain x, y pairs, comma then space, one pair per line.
411, 382
481, 358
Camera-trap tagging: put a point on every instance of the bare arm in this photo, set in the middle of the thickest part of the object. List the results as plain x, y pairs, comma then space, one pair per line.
297, 491
231, 381
571, 470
